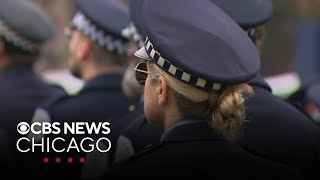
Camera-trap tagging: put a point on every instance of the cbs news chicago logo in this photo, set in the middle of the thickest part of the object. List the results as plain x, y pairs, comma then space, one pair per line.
63, 137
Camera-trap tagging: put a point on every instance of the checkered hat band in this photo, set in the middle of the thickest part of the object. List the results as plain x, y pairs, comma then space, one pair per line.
135, 36
179, 73
16, 40
107, 41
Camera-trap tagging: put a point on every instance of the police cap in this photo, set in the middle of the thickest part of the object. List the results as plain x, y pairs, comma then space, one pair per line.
135, 30
102, 21
197, 43
247, 13
24, 24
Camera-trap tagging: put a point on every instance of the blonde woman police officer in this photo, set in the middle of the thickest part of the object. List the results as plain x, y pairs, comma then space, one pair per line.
197, 61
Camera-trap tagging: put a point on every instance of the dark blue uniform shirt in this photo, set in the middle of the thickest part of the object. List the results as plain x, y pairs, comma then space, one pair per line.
277, 130
193, 151
21, 92
274, 130
100, 100
134, 135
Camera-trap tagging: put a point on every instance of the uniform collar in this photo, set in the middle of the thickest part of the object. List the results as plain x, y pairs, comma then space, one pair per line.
105, 81
189, 130
260, 82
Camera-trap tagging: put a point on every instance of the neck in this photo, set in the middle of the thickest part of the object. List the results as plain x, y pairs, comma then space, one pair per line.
171, 116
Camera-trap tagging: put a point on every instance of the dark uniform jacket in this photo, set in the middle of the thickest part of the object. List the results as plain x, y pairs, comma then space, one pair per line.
277, 130
100, 100
274, 130
21, 92
135, 134
7, 157
193, 151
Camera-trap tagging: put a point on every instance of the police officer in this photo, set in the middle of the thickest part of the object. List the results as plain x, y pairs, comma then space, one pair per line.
197, 63
274, 128
132, 126
24, 28
135, 34
22, 32
97, 53
265, 112
136, 133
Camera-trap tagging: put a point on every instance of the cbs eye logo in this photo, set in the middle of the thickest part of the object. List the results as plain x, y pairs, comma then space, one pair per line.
23, 128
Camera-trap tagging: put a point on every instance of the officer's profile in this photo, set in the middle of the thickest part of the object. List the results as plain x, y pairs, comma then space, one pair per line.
97, 55
24, 29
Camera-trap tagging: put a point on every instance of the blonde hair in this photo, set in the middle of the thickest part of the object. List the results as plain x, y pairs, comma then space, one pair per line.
224, 110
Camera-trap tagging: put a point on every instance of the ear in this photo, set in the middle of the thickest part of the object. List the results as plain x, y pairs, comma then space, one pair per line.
163, 91
84, 50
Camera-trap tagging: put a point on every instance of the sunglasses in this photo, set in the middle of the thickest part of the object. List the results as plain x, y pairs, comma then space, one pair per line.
141, 72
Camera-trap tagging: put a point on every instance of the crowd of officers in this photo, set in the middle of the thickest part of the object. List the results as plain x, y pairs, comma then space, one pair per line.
178, 81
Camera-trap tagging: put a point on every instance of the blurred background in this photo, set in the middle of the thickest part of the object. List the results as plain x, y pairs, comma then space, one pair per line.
290, 54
